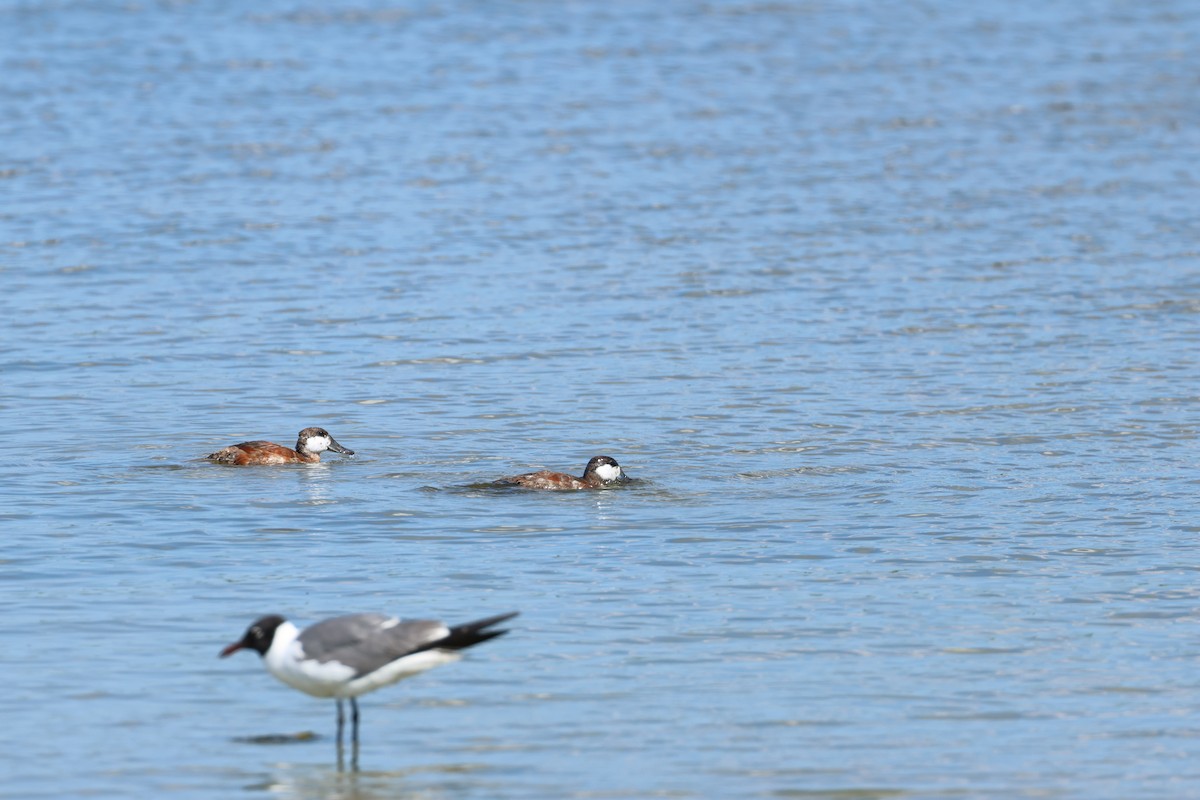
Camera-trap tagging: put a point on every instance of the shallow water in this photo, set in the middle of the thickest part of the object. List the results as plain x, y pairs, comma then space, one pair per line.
890, 310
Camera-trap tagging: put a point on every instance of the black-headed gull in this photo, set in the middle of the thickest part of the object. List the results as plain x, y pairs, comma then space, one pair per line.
345, 657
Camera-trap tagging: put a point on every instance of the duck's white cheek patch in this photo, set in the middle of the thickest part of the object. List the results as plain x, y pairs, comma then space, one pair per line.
316, 444
608, 472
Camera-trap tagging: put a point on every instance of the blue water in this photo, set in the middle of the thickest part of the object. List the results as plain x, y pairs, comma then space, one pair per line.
890, 309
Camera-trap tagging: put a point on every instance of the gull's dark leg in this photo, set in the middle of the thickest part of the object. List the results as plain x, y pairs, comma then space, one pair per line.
354, 718
340, 725
341, 722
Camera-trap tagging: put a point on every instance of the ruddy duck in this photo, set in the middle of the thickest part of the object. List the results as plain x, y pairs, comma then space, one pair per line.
600, 471
309, 444
348, 656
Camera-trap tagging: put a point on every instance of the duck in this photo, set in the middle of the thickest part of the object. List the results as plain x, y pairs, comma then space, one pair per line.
310, 443
600, 471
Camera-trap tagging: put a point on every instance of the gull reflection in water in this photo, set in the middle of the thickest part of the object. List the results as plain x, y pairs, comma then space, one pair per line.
312, 782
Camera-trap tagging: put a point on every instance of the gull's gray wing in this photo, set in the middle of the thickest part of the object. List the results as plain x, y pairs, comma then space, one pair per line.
366, 642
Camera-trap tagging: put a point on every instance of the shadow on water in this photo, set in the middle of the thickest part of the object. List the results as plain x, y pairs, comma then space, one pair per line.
278, 738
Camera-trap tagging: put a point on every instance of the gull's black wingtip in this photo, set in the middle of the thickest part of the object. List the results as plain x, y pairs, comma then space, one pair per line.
480, 624
472, 633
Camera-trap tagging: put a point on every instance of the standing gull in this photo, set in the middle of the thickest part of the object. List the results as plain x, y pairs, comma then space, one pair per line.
345, 657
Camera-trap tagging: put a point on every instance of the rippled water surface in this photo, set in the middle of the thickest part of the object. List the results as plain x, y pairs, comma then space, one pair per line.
889, 308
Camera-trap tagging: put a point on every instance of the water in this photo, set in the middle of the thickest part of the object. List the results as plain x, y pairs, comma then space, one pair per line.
889, 308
